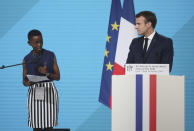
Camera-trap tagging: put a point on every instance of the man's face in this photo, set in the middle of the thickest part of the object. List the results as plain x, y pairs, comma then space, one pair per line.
36, 42
141, 25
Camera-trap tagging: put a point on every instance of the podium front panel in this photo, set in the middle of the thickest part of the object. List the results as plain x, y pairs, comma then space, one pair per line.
170, 103
147, 103
123, 104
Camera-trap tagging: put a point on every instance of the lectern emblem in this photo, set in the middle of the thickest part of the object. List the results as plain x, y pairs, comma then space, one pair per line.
130, 68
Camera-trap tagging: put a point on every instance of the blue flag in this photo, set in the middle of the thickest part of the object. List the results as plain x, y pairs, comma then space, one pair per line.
112, 51
111, 44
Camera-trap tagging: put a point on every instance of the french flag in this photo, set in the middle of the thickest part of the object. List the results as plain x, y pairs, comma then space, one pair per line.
121, 31
146, 103
127, 33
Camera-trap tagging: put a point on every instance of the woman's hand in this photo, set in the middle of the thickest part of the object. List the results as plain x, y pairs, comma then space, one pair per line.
42, 69
28, 83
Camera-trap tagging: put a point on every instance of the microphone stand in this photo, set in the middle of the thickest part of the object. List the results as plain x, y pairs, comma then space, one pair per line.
3, 66
29, 62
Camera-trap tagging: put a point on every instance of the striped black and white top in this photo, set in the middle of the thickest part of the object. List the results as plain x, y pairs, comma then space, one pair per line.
43, 113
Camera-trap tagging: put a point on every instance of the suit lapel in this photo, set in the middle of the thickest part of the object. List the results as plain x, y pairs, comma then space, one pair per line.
141, 44
152, 45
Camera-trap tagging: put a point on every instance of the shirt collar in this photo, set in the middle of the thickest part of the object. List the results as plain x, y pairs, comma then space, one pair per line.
151, 36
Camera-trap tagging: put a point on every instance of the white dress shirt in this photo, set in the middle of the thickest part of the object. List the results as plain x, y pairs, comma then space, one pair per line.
149, 39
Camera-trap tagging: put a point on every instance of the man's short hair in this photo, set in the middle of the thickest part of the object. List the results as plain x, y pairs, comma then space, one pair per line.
149, 16
33, 33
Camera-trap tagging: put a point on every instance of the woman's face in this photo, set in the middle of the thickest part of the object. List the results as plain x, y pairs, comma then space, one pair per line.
36, 42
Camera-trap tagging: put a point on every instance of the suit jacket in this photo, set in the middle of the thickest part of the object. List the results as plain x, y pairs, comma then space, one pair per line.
160, 51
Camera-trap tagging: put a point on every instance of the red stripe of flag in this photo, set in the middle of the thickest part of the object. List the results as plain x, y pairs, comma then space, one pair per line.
118, 70
152, 102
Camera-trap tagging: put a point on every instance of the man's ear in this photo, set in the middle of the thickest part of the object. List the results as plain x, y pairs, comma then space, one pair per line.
149, 24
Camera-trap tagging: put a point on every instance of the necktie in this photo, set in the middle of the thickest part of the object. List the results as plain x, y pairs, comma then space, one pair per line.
145, 45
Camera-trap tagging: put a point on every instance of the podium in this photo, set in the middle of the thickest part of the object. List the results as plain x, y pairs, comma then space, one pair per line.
147, 103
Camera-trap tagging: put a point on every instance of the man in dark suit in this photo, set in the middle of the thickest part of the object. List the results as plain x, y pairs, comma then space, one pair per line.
151, 48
